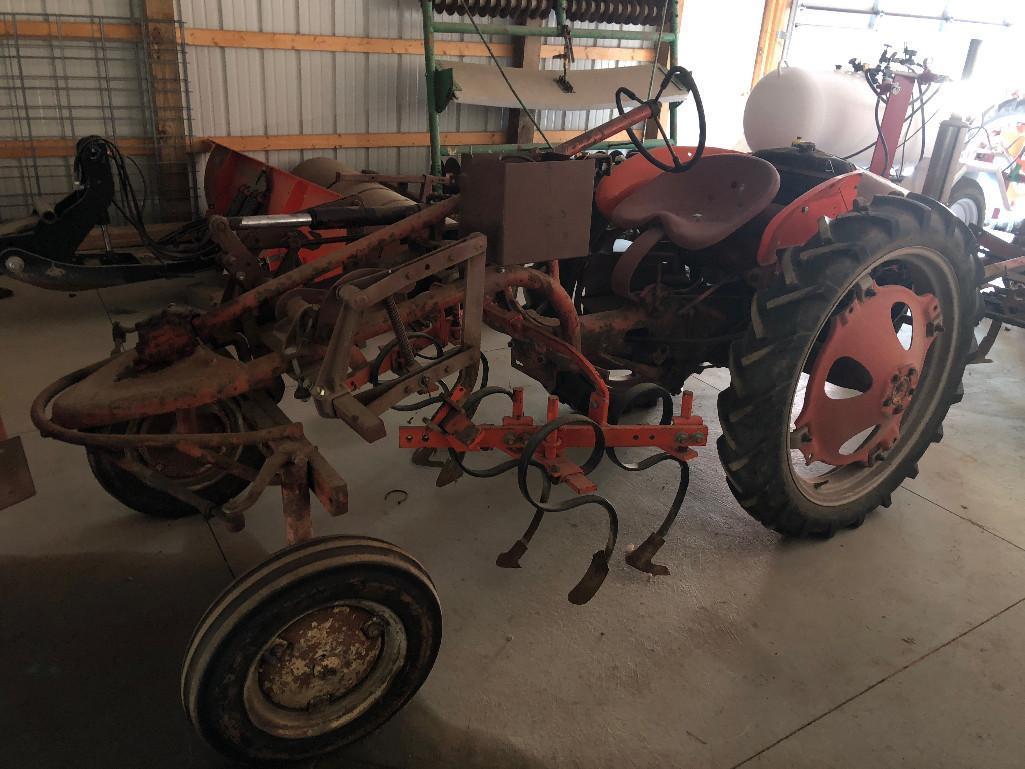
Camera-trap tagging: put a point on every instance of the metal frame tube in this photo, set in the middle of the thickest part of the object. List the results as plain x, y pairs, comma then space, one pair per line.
432, 114
519, 30
902, 15
589, 139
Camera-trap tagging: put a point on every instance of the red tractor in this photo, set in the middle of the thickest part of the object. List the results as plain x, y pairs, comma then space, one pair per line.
843, 308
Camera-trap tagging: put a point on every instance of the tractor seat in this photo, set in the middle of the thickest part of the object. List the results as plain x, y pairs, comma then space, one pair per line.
698, 208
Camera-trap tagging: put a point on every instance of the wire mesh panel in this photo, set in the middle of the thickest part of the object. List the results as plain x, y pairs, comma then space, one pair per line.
63, 77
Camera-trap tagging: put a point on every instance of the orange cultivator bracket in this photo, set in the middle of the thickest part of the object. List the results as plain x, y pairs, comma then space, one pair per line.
544, 446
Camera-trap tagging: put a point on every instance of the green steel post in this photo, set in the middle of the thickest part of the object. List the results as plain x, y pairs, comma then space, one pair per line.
432, 114
560, 13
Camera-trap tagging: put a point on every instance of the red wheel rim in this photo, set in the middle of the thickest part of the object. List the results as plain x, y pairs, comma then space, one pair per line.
865, 332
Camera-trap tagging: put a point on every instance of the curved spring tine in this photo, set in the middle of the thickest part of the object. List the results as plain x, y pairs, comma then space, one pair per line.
599, 566
640, 558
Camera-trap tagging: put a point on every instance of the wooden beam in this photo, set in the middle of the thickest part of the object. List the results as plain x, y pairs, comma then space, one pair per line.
225, 38
55, 148
526, 55
775, 47
230, 38
69, 30
167, 111
766, 55
63, 148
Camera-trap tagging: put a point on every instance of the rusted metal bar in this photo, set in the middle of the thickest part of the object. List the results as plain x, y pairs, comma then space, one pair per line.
328, 485
295, 501
674, 438
588, 139
219, 317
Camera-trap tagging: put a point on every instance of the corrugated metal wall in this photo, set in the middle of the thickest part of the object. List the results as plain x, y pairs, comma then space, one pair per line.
66, 88
242, 92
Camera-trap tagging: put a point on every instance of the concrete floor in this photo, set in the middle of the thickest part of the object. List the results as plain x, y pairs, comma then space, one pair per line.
896, 645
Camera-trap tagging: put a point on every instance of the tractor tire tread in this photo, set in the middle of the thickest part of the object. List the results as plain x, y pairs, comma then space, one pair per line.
784, 316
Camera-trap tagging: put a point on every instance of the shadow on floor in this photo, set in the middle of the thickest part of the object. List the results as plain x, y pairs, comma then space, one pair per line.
91, 648
92, 645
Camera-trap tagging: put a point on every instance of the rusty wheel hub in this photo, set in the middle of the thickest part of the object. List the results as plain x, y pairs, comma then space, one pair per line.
321, 657
324, 669
865, 333
174, 464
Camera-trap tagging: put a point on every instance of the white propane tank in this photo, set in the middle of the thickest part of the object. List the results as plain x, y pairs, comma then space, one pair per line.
833, 109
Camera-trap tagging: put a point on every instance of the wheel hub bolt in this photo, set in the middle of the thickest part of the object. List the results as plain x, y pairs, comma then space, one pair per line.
373, 629
277, 650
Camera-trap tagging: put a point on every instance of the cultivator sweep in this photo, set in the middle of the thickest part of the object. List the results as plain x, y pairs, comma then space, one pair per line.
615, 279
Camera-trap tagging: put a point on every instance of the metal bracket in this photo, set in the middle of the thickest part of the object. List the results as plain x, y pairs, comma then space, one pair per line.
333, 395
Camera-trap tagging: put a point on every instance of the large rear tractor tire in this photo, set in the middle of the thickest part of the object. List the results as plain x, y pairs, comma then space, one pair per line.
854, 355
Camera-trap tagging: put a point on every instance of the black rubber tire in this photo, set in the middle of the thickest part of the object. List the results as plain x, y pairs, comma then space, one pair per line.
766, 363
967, 188
132, 492
233, 631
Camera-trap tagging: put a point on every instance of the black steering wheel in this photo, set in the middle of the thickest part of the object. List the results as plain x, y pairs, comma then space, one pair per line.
677, 166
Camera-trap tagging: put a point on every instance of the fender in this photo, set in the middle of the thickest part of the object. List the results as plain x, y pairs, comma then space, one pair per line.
799, 221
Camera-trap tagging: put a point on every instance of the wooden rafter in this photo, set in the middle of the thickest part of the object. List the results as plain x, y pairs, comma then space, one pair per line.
55, 148
277, 41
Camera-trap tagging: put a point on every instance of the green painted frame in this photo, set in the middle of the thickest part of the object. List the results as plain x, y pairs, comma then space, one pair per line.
430, 27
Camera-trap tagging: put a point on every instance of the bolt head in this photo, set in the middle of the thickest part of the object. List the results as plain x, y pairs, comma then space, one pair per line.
373, 629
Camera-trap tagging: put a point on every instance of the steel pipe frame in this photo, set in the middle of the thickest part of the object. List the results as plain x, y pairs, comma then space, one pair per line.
902, 15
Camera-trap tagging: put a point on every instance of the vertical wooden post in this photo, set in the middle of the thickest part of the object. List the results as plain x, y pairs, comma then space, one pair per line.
173, 175
526, 55
767, 53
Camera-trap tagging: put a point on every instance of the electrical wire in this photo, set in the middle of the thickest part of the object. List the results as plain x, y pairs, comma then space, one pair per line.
911, 116
501, 71
907, 127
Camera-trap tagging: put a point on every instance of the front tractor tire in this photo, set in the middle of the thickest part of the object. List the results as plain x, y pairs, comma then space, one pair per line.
313, 649
854, 354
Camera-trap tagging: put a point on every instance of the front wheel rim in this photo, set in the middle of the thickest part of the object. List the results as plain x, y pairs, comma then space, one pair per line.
324, 669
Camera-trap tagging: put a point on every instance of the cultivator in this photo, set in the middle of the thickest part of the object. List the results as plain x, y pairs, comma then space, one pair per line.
614, 278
